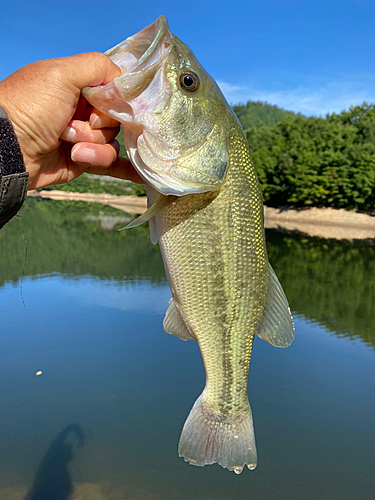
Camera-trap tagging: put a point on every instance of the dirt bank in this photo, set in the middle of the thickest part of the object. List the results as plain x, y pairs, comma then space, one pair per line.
128, 204
321, 222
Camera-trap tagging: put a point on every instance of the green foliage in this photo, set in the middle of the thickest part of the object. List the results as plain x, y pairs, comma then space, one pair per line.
309, 161
120, 140
88, 183
257, 114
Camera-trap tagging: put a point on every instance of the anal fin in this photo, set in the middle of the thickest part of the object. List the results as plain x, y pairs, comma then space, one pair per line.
174, 324
276, 325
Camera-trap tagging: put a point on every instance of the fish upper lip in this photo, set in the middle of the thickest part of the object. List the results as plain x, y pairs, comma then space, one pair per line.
144, 47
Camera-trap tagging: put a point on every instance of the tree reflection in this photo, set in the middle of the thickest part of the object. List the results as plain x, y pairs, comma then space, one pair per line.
328, 281
64, 237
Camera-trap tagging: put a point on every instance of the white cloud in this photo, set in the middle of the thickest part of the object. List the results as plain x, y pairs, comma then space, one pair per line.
228, 88
316, 100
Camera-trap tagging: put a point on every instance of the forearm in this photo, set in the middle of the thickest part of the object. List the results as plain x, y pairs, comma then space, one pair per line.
13, 175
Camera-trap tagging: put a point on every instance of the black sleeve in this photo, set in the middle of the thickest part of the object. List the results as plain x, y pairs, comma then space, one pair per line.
13, 175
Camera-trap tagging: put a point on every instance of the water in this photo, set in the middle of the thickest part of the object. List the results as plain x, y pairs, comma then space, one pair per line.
95, 301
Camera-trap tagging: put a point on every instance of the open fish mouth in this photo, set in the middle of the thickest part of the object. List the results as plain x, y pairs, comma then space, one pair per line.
142, 49
162, 143
139, 57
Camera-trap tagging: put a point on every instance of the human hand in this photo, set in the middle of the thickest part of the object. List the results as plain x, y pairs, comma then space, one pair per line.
60, 135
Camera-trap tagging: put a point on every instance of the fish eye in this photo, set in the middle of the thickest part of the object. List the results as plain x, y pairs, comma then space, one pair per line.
189, 81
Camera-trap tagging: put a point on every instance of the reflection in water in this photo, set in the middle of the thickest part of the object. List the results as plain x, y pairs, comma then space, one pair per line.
328, 281
95, 329
52, 479
62, 239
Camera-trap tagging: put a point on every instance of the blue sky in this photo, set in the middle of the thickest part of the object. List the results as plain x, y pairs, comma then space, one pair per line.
310, 56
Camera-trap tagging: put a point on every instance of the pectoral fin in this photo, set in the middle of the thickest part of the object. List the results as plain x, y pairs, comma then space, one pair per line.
174, 324
276, 326
161, 203
152, 197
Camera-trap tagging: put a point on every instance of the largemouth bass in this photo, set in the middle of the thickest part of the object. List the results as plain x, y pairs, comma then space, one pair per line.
206, 212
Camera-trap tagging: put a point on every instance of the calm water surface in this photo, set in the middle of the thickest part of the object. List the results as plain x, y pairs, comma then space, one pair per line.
95, 300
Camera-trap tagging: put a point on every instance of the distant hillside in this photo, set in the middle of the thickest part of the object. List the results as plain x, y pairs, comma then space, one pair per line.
258, 114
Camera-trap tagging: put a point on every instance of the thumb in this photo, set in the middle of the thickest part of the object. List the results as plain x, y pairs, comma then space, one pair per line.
90, 69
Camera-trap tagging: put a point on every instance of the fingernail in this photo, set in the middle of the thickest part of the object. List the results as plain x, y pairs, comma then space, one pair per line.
93, 121
83, 155
70, 134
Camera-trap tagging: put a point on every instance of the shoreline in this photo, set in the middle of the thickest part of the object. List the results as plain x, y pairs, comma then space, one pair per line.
327, 223
129, 204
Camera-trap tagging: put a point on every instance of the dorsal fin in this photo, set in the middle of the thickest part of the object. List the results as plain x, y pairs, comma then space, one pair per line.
276, 325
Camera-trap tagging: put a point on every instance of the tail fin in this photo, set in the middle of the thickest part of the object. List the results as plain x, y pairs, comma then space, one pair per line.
208, 437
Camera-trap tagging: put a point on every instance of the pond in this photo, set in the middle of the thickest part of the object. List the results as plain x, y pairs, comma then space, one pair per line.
107, 410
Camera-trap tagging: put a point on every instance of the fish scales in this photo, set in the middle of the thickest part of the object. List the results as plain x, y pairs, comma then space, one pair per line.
205, 209
223, 254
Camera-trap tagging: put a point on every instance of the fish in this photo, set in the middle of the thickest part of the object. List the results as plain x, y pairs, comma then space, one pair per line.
205, 210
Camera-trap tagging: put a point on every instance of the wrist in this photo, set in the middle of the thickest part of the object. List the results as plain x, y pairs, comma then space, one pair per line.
13, 176
11, 159
17, 118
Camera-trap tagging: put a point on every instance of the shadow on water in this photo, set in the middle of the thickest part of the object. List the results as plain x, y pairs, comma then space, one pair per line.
52, 479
